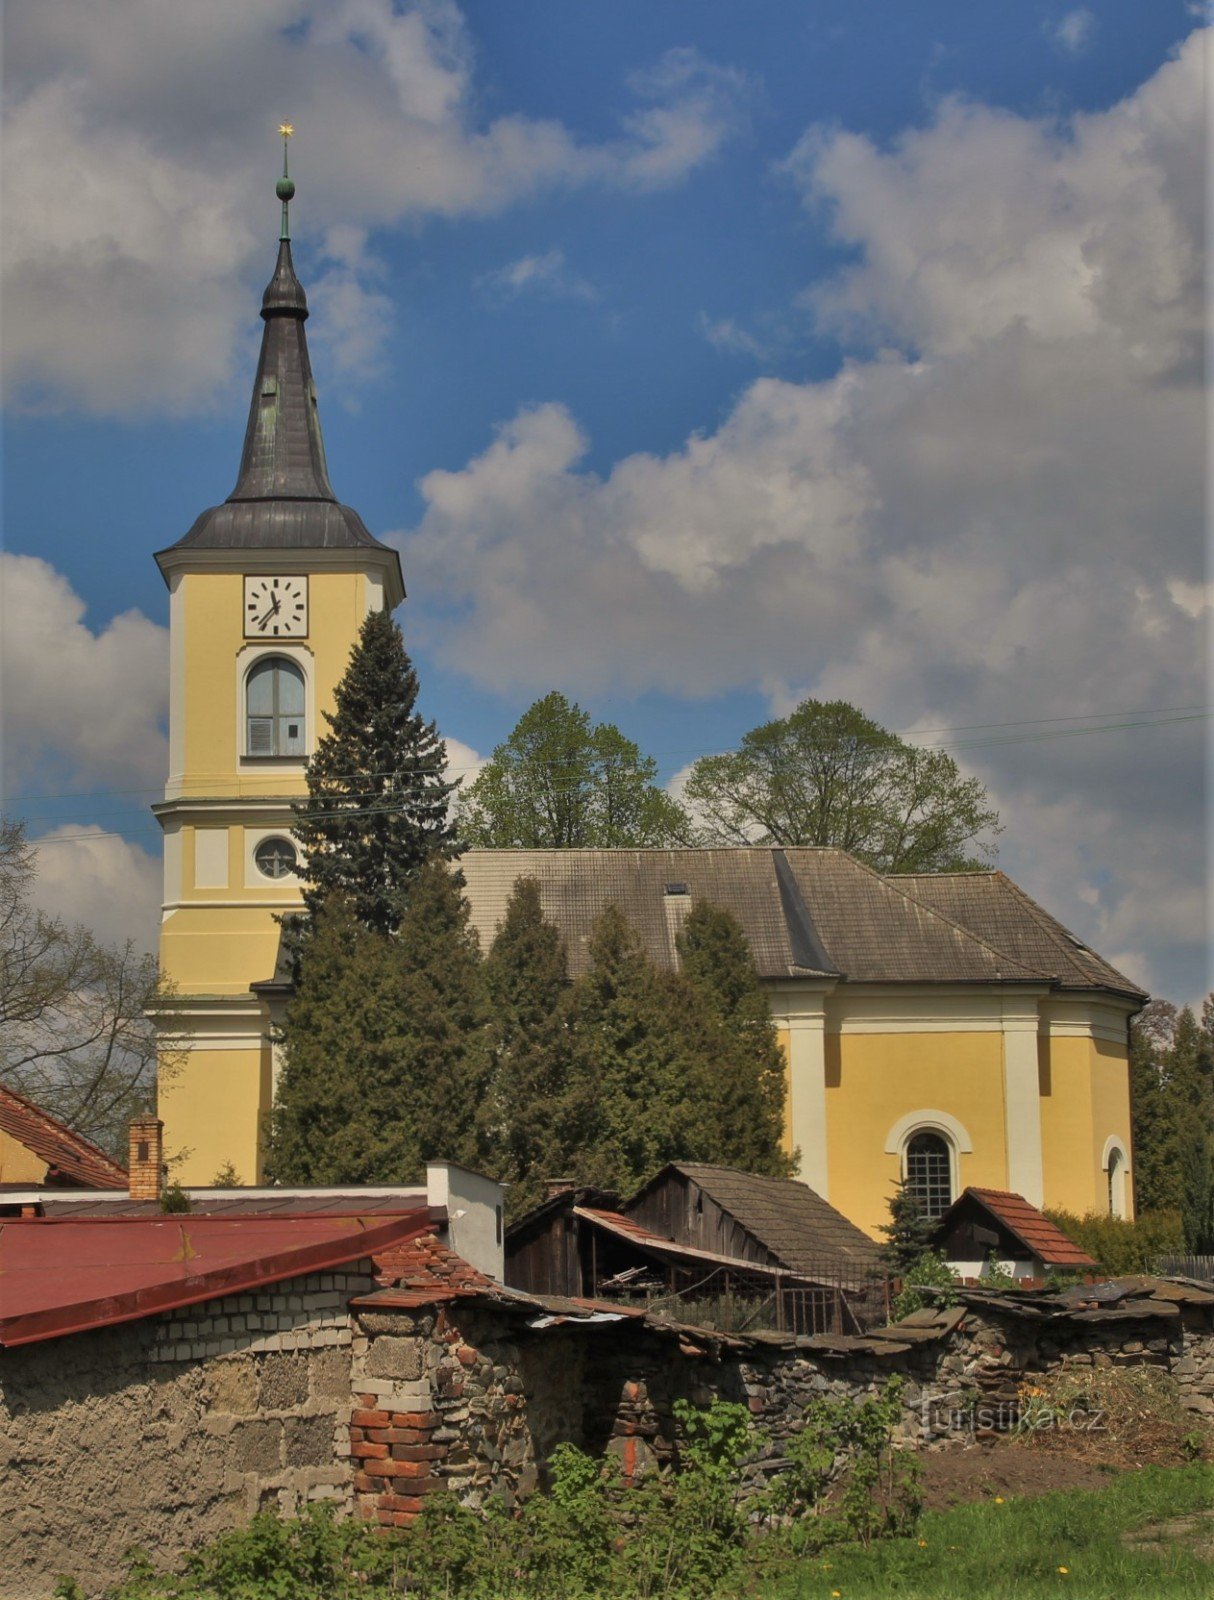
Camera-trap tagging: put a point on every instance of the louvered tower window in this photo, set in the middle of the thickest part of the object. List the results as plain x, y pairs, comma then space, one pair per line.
929, 1173
274, 704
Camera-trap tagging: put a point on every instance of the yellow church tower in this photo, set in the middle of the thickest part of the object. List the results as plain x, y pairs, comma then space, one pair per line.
266, 596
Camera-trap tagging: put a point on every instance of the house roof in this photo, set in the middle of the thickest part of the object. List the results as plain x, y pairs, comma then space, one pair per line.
1025, 1222
64, 1276
244, 1203
805, 912
804, 1232
69, 1156
996, 910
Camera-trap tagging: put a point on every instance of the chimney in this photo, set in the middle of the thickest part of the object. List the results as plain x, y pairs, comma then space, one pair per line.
145, 1163
555, 1186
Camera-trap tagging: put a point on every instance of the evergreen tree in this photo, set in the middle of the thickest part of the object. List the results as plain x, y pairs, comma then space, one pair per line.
1156, 1170
908, 1232
377, 798
634, 1101
745, 1078
524, 1118
1192, 1099
386, 1043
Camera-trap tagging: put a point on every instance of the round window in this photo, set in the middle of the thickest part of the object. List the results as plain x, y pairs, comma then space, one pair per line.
276, 858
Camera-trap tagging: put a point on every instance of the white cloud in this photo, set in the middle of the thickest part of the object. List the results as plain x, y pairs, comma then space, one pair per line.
548, 274
993, 512
81, 707
85, 874
463, 762
127, 281
1073, 30
724, 333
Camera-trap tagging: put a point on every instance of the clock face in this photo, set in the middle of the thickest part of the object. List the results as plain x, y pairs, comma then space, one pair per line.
275, 608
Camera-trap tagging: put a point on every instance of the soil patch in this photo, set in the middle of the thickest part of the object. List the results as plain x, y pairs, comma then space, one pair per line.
980, 1472
1196, 1531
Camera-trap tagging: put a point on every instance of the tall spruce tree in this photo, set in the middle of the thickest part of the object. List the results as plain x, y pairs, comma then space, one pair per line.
525, 1116
386, 1043
377, 798
745, 1076
908, 1232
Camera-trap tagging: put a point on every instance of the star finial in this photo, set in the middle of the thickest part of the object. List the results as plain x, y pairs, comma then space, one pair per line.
284, 188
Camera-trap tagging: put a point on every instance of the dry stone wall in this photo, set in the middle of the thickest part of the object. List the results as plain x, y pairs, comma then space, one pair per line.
166, 1431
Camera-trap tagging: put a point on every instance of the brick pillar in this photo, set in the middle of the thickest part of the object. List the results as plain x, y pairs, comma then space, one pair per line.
145, 1163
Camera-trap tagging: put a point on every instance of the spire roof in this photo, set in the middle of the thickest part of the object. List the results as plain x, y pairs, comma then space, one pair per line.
283, 498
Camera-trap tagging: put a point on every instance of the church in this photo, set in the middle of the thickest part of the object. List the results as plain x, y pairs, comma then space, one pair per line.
946, 1029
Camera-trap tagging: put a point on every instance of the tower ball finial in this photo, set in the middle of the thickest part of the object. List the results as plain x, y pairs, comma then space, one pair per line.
285, 188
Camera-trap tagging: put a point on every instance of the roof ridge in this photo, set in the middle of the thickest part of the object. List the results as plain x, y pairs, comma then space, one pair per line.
1001, 956
62, 1128
1057, 931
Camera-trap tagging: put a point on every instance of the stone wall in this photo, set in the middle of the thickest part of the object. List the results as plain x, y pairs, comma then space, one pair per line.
166, 1431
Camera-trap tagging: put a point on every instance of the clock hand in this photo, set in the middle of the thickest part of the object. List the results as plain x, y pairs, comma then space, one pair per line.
277, 606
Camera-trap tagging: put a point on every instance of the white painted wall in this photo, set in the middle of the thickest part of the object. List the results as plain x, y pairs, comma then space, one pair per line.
475, 1214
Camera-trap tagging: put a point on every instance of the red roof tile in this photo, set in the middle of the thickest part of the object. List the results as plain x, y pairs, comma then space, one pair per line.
67, 1155
1034, 1230
64, 1276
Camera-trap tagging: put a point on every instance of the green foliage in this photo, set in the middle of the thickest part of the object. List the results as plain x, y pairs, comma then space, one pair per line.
993, 1274
377, 799
174, 1201
561, 782
386, 1044
524, 1117
226, 1178
930, 1272
829, 775
1120, 1246
1172, 1098
907, 1233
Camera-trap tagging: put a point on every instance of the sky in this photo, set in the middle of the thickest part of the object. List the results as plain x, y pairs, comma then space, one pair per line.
698, 359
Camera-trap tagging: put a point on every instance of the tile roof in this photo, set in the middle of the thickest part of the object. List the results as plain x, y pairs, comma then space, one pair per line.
66, 1275
996, 910
804, 911
804, 1232
69, 1156
1033, 1229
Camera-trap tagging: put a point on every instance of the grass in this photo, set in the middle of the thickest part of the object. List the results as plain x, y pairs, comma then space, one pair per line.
1018, 1549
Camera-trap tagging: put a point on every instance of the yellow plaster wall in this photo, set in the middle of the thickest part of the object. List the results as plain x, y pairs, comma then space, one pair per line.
786, 1140
1067, 1129
212, 614
212, 1106
17, 1163
208, 950
872, 1080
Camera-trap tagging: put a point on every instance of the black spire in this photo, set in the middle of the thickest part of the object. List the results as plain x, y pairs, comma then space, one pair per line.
283, 498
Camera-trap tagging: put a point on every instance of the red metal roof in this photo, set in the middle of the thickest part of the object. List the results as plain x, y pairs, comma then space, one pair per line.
1034, 1230
63, 1276
67, 1154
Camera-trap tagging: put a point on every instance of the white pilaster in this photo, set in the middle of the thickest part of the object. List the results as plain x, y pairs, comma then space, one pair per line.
1022, 1099
802, 1010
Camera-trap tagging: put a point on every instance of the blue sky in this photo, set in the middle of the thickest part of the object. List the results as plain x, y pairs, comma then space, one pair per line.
698, 358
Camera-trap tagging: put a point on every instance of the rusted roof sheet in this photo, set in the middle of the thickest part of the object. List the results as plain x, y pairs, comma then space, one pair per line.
803, 1231
60, 1277
232, 1203
68, 1156
805, 912
998, 911
1033, 1229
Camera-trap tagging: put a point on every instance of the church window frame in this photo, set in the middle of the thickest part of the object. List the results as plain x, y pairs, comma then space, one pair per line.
250, 659
1115, 1164
929, 1171
951, 1132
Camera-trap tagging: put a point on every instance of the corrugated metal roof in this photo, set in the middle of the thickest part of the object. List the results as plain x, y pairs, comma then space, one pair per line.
65, 1276
804, 912
67, 1154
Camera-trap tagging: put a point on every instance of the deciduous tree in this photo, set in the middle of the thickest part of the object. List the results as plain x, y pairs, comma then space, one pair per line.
561, 782
829, 775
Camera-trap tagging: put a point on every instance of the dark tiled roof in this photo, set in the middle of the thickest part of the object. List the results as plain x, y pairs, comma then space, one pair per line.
804, 912
998, 911
803, 1231
1033, 1229
69, 1157
283, 499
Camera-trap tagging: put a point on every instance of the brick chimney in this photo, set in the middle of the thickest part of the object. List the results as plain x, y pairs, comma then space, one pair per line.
555, 1186
145, 1163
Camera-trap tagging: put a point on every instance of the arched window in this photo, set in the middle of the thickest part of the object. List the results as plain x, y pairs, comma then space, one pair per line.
929, 1173
274, 708
1116, 1173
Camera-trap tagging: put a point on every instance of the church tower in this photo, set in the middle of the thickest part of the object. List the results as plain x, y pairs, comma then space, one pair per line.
267, 594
